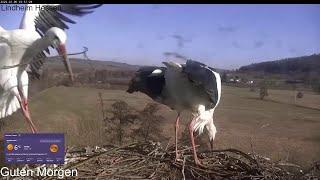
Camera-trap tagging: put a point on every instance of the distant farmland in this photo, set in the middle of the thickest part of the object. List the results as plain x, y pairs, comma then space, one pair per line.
274, 128
281, 126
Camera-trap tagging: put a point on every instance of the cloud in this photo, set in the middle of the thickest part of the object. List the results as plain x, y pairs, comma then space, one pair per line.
228, 29
174, 54
235, 44
258, 44
180, 40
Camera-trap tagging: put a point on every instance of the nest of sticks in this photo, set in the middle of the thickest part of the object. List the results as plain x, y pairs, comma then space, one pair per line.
150, 160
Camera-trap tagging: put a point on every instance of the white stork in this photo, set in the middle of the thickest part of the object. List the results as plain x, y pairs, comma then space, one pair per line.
42, 26
191, 86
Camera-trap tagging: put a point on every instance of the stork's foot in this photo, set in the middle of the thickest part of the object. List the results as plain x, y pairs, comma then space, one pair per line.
177, 157
34, 130
200, 164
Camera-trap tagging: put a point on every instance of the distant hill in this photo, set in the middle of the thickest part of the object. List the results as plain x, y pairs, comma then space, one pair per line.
91, 73
296, 65
79, 65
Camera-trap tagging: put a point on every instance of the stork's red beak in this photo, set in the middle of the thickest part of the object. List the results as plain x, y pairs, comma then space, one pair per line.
63, 52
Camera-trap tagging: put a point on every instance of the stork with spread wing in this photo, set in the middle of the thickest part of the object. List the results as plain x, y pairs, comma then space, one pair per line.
23, 50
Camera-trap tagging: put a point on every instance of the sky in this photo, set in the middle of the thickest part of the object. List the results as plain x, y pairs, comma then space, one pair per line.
222, 36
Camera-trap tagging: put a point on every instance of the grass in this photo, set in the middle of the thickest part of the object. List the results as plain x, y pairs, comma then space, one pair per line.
275, 127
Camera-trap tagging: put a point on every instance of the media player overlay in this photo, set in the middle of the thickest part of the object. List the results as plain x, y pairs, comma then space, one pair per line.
22, 148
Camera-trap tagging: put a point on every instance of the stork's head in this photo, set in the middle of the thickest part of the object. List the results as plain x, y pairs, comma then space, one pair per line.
140, 80
57, 35
58, 39
149, 80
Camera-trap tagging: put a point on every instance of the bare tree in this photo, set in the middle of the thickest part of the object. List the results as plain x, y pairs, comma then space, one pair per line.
100, 99
252, 88
224, 77
263, 89
149, 123
122, 116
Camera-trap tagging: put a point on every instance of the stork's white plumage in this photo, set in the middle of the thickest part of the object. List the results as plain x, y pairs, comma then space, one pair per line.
20, 50
191, 86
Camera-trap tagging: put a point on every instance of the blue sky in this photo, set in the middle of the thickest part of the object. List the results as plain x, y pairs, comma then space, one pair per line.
223, 36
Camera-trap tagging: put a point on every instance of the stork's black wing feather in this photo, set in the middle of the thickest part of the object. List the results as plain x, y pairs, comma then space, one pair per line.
33, 68
55, 16
203, 76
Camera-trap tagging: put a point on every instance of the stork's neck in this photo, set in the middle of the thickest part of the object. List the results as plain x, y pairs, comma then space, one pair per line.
42, 43
30, 13
37, 47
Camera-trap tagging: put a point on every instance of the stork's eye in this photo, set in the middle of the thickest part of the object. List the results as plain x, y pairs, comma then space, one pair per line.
55, 43
56, 38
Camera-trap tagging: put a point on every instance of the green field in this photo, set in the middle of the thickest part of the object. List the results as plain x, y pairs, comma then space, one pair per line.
275, 127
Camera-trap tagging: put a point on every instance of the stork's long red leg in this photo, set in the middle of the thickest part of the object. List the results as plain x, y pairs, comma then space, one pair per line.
27, 116
195, 157
25, 111
176, 136
211, 145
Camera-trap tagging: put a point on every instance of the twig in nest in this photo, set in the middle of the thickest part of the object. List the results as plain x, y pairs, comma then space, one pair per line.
151, 161
184, 162
251, 159
95, 156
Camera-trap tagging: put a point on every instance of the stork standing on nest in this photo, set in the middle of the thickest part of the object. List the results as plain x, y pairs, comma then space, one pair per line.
191, 86
22, 50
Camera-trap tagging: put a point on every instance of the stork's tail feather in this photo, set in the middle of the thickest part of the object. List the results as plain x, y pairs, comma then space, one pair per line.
205, 119
199, 125
9, 108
